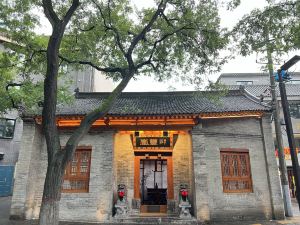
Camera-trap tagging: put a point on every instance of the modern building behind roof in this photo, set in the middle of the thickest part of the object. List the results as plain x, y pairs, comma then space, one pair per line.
252, 78
87, 79
178, 156
258, 84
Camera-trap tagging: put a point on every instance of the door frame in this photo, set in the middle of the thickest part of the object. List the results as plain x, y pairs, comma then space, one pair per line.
170, 183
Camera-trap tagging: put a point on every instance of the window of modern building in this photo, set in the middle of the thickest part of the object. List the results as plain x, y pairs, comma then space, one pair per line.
7, 127
77, 173
246, 82
295, 110
236, 173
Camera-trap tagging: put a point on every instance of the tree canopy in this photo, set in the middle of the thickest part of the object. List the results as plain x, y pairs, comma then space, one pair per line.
20, 90
183, 35
275, 26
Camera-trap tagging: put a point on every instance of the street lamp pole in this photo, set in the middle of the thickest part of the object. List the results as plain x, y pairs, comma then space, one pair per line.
288, 123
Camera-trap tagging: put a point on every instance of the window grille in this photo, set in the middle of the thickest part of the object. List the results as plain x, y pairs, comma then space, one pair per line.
77, 173
236, 173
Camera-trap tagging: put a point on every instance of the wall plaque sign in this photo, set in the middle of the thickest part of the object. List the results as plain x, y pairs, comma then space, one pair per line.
153, 142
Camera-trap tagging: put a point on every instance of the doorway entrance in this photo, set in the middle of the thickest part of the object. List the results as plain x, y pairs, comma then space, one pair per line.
153, 184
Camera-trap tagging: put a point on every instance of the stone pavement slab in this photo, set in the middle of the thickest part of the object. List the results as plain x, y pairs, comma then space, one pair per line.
292, 221
5, 207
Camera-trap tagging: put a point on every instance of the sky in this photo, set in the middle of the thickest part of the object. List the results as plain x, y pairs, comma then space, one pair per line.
238, 65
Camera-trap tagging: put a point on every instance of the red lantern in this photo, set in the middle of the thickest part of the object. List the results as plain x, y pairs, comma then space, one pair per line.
121, 194
184, 193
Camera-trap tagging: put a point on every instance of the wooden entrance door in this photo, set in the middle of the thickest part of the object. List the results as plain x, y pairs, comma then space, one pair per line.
153, 182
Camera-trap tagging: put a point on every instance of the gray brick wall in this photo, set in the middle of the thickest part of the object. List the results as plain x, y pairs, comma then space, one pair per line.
31, 170
272, 170
182, 166
97, 204
25, 173
201, 198
124, 165
236, 133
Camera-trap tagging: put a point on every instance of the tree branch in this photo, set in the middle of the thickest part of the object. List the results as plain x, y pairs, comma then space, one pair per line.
49, 12
115, 30
147, 62
111, 27
160, 9
50, 83
74, 6
105, 69
11, 98
167, 20
88, 29
82, 62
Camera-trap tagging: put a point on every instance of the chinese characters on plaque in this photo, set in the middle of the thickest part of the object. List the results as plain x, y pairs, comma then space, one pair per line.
153, 142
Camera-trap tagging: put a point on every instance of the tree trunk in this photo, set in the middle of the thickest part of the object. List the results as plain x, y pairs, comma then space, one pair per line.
49, 213
58, 159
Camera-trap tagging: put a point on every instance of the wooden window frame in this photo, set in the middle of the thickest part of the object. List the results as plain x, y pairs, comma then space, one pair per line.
78, 177
236, 151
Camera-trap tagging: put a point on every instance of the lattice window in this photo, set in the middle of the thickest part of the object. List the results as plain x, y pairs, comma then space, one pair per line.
77, 173
236, 173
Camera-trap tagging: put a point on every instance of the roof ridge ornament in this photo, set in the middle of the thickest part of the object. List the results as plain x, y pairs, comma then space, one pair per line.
252, 97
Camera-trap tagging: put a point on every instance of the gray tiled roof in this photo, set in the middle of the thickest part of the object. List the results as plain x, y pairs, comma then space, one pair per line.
258, 90
165, 103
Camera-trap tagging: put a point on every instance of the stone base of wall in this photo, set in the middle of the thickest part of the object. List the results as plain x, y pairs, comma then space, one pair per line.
236, 215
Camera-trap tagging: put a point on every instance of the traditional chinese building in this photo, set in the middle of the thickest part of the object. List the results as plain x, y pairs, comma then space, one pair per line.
158, 154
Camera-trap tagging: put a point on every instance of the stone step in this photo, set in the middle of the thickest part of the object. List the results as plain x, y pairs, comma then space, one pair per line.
143, 219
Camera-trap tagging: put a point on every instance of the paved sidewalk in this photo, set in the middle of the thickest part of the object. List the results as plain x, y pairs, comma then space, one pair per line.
296, 211
294, 221
5, 207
